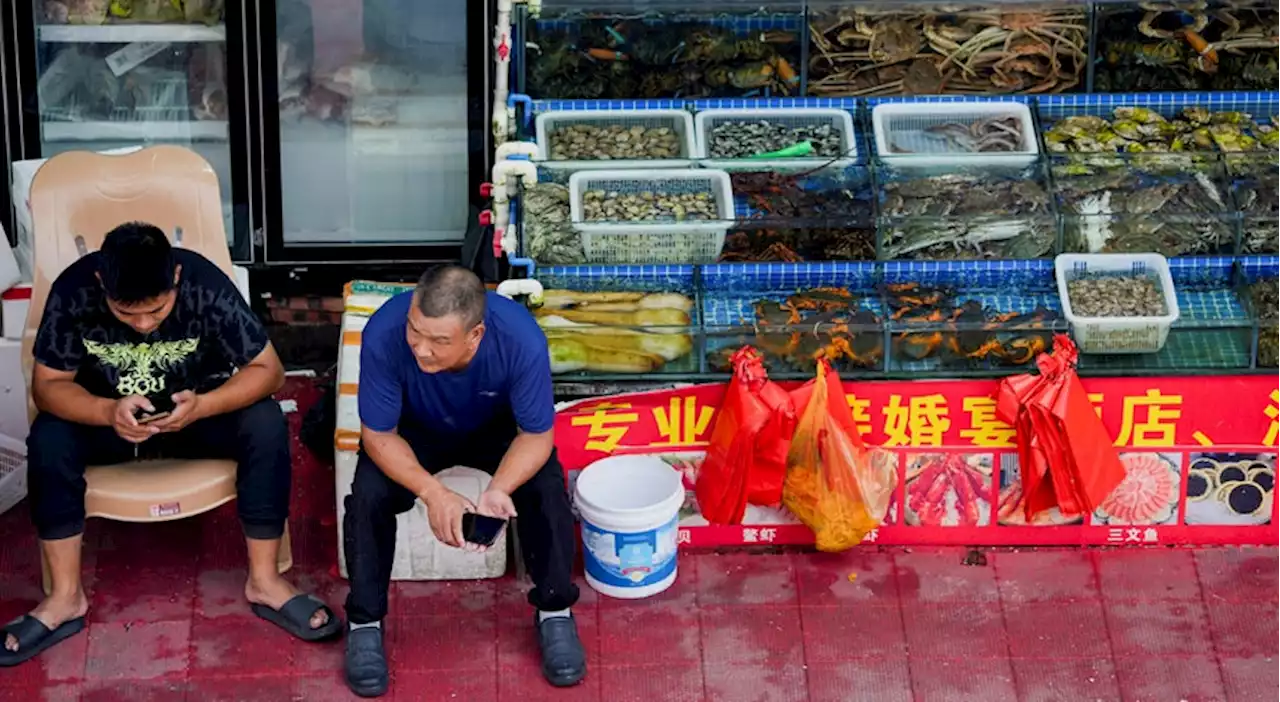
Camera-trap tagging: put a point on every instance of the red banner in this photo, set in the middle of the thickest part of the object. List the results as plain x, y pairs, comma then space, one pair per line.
1188, 445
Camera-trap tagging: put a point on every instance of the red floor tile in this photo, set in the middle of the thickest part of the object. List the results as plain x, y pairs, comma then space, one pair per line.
134, 691
937, 576
261, 688
131, 593
526, 684
138, 651
952, 680
1158, 629
834, 634
463, 642
1036, 576
1147, 574
1252, 678
649, 636
56, 692
955, 631
327, 687
672, 682
1247, 574
239, 645
429, 686
745, 579
751, 636
220, 593
1041, 680
755, 683
1156, 677
317, 656
431, 599
853, 577
1241, 630
865, 680
1057, 630
141, 546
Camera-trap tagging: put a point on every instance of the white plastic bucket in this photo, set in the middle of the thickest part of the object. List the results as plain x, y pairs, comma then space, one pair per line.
630, 509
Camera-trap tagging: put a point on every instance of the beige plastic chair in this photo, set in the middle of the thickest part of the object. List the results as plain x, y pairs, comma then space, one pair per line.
76, 198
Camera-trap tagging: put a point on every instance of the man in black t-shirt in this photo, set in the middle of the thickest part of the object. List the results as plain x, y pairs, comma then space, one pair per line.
148, 351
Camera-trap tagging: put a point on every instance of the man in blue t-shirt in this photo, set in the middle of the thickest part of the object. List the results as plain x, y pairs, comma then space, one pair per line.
451, 374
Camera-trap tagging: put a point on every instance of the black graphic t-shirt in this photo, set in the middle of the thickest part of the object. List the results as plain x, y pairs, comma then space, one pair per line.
210, 332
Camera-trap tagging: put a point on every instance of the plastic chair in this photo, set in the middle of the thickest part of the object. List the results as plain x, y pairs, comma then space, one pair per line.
76, 198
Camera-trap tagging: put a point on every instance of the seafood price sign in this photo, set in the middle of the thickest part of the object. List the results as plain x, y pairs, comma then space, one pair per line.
1199, 453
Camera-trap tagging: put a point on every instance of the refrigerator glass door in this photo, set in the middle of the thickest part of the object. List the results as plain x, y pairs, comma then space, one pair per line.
112, 74
372, 96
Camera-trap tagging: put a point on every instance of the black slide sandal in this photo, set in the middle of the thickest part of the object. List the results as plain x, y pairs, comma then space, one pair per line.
34, 637
295, 617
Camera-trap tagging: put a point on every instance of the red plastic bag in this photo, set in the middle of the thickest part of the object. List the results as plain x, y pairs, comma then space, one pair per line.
835, 485
746, 459
1066, 458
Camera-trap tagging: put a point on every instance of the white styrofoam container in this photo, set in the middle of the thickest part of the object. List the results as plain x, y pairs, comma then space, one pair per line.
679, 121
13, 472
904, 123
1116, 335
707, 120
672, 181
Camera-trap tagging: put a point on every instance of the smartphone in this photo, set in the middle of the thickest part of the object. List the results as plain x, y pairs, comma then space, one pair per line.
163, 406
479, 529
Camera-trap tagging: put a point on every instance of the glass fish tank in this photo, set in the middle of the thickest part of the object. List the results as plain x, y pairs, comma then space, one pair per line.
1179, 46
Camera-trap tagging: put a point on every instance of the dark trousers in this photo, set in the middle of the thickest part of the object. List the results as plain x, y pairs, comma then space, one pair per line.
256, 437
545, 526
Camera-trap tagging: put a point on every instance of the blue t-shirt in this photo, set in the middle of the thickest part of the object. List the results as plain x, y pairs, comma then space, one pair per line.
510, 376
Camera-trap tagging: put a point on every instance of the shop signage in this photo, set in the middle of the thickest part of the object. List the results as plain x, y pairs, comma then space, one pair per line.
1200, 452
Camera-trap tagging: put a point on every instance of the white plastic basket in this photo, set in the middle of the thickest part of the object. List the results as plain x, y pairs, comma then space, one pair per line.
902, 125
654, 247
1115, 335
679, 121
662, 182
707, 120
13, 472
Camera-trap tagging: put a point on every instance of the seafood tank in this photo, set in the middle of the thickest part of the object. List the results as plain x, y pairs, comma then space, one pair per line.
1162, 46
810, 216
587, 55
908, 49
1255, 187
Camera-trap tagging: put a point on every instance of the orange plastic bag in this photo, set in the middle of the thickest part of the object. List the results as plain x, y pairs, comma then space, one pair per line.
735, 470
835, 485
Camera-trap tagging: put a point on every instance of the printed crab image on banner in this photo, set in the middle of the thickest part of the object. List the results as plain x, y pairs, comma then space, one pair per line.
1149, 493
1230, 489
948, 489
1009, 509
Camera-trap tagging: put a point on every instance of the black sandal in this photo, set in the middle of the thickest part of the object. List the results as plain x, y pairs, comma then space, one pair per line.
295, 618
33, 637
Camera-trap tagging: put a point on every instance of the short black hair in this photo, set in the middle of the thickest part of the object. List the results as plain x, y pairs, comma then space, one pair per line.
136, 263
450, 289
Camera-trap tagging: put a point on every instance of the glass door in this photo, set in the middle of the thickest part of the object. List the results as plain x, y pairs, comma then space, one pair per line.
114, 74
378, 139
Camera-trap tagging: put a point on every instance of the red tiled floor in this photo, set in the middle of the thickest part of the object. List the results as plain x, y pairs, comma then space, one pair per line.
169, 623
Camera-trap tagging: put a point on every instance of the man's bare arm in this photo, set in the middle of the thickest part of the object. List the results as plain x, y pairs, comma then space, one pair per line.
58, 393
396, 459
524, 458
254, 381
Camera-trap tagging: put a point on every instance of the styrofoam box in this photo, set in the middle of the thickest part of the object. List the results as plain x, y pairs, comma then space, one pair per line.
673, 181
679, 121
903, 124
707, 120
1116, 335
419, 555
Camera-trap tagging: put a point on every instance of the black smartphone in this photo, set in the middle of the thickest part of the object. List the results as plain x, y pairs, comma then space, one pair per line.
163, 406
479, 529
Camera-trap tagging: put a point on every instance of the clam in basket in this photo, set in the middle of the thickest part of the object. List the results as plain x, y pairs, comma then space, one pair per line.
574, 140
926, 134
1117, 335
651, 216
836, 122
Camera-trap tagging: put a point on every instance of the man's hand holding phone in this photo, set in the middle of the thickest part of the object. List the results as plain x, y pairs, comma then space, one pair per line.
124, 419
459, 523
183, 409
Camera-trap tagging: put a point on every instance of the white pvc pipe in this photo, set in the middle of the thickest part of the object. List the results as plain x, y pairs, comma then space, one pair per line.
502, 49
515, 148
504, 186
522, 286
